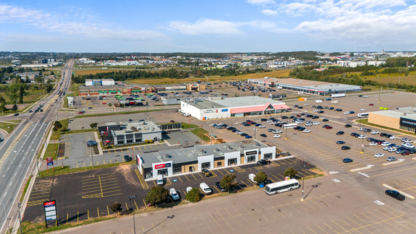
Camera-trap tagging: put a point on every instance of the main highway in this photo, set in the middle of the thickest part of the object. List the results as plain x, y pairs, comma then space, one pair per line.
18, 151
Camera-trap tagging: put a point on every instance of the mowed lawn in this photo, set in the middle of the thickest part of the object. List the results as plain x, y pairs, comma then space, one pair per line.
409, 80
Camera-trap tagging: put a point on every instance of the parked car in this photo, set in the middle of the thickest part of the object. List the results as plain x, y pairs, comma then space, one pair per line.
340, 133
378, 155
276, 136
127, 158
395, 194
340, 142
391, 159
306, 131
218, 185
205, 188
91, 143
263, 162
345, 147
347, 160
174, 194
348, 125
206, 172
373, 143
263, 135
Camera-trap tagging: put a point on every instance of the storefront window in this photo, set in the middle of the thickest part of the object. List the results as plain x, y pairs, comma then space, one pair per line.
177, 169
251, 158
162, 172
232, 162
219, 164
206, 165
120, 142
148, 173
268, 156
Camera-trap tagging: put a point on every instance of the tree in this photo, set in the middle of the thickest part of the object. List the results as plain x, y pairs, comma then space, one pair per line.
93, 125
261, 177
116, 207
156, 195
193, 195
291, 172
228, 182
2, 103
12, 92
109, 104
57, 125
14, 108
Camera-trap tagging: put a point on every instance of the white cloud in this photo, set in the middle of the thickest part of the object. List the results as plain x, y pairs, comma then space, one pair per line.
59, 23
205, 26
261, 2
268, 12
226, 28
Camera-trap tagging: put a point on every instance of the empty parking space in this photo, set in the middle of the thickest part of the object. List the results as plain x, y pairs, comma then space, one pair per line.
41, 192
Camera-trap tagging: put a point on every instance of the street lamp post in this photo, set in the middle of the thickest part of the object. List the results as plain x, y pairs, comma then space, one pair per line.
362, 139
134, 221
303, 187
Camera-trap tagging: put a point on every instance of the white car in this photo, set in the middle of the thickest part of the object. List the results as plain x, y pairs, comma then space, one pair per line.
173, 194
238, 132
306, 104
277, 131
375, 132
390, 159
188, 189
386, 148
262, 126
408, 145
408, 141
346, 113
276, 136
308, 124
316, 123
392, 149
393, 137
362, 109
361, 129
306, 130
373, 143
299, 121
316, 110
386, 143
362, 137
365, 96
378, 155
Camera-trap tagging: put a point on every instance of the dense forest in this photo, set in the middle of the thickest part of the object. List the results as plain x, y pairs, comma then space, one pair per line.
171, 73
400, 62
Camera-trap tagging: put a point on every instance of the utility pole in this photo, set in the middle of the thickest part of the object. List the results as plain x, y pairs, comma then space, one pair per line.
20, 220
303, 187
134, 221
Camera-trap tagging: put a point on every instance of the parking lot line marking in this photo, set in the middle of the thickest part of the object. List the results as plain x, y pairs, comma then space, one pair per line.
144, 202
154, 182
88, 211
259, 168
301, 173
311, 229
251, 182
330, 227
127, 207
200, 174
387, 216
244, 183
194, 176
110, 161
201, 191
214, 175
272, 179
136, 205
180, 179
170, 183
77, 216
321, 228
98, 212
84, 164
90, 164
217, 189
99, 178
220, 172
77, 165
187, 177
401, 192
108, 211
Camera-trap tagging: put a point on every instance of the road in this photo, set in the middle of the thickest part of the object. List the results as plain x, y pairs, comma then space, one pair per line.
18, 152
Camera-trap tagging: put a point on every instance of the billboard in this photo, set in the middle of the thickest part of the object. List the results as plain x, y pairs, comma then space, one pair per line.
49, 161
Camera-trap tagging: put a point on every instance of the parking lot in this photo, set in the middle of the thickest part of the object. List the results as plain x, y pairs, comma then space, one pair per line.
95, 191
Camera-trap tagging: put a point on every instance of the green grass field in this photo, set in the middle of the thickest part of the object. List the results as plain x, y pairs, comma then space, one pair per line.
8, 127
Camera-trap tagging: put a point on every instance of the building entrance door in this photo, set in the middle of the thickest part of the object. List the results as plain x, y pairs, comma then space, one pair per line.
206, 165
162, 172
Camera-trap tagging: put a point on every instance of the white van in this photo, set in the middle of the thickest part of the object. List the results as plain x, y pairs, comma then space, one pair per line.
251, 178
318, 101
205, 188
159, 180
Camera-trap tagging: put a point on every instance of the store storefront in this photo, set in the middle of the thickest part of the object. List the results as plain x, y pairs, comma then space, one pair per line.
408, 124
251, 156
232, 159
164, 168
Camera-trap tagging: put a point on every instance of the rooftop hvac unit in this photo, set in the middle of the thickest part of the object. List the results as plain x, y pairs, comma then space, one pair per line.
221, 153
217, 149
166, 155
257, 144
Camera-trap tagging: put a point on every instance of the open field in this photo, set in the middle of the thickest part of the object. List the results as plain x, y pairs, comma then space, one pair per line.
277, 73
409, 80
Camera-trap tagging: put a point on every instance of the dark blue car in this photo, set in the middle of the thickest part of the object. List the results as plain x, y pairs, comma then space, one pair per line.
248, 137
347, 160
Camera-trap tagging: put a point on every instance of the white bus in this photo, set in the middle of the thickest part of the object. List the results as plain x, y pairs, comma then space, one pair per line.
362, 115
290, 125
282, 186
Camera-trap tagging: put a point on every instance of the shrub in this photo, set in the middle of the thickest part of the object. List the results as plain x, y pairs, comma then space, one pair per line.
261, 177
116, 207
290, 172
157, 195
193, 195
151, 141
146, 141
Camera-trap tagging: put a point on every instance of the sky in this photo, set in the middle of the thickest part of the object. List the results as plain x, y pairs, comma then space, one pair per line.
207, 26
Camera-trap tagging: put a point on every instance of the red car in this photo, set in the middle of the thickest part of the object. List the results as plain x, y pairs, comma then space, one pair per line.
328, 127
405, 153
298, 116
172, 121
371, 104
104, 103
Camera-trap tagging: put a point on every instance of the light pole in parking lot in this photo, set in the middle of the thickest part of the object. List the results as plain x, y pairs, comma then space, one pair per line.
362, 140
134, 221
255, 133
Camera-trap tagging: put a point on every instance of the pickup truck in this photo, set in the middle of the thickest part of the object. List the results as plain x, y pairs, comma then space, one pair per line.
395, 194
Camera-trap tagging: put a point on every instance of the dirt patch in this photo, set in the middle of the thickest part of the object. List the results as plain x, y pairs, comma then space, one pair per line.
128, 173
318, 171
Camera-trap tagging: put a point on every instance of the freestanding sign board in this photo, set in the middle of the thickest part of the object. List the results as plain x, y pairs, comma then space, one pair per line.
49, 161
49, 208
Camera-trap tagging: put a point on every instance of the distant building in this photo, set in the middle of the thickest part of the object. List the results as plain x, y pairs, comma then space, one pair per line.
35, 65
101, 82
31, 75
70, 101
15, 62
223, 66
